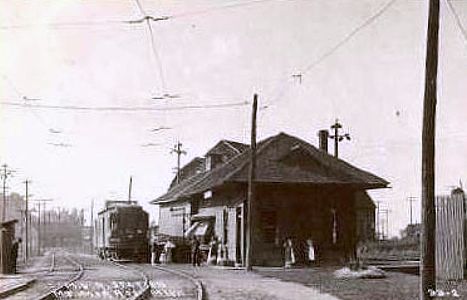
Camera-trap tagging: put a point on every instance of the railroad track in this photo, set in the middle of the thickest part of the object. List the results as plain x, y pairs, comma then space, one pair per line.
168, 283
103, 279
59, 290
49, 282
145, 291
65, 278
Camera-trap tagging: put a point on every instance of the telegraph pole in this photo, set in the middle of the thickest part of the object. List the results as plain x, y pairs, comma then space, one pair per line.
39, 229
251, 190
26, 232
5, 174
428, 246
377, 221
338, 137
411, 200
177, 149
385, 223
39, 233
92, 226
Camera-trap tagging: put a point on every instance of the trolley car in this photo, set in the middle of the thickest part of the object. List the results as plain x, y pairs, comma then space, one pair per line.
121, 232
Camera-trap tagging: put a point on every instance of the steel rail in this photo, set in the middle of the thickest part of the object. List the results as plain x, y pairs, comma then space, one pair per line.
53, 294
146, 291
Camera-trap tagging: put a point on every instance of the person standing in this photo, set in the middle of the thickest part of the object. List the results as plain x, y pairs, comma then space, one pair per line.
311, 252
212, 255
154, 258
289, 253
14, 254
195, 251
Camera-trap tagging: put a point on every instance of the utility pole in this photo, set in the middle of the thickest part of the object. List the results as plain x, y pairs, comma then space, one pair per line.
26, 232
338, 137
428, 246
385, 223
411, 200
92, 226
250, 207
177, 149
129, 189
39, 221
5, 174
39, 229
377, 221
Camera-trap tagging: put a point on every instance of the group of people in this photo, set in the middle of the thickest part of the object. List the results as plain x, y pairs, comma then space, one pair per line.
217, 252
162, 252
290, 255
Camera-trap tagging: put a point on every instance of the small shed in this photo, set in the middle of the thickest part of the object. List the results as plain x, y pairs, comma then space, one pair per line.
7, 236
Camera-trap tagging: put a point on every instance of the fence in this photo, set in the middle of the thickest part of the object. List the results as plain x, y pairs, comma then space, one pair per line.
450, 234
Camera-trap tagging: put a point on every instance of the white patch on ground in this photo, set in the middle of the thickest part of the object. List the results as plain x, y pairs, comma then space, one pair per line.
371, 272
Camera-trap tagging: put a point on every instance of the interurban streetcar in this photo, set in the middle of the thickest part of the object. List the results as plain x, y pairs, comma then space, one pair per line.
121, 231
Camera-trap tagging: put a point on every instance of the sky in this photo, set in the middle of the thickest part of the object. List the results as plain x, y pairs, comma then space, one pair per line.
82, 54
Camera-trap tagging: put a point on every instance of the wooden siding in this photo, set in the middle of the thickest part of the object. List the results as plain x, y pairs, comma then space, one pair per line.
450, 247
171, 222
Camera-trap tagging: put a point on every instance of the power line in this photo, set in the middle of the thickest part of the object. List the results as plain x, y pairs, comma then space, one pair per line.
122, 108
349, 36
217, 8
140, 7
156, 55
26, 100
458, 20
59, 25
148, 19
331, 51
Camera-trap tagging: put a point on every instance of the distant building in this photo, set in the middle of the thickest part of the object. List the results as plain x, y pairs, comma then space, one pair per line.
302, 193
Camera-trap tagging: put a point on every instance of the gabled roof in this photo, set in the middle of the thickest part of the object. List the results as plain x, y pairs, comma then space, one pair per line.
195, 166
229, 148
280, 159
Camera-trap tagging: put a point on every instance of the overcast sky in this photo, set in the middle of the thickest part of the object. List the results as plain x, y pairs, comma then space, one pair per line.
78, 53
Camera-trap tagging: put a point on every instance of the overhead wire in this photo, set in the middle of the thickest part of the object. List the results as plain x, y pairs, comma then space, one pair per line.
141, 9
148, 20
124, 108
222, 7
349, 36
156, 56
368, 21
59, 25
23, 97
457, 19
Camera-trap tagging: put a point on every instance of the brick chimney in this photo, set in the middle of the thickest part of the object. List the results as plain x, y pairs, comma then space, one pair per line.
323, 140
